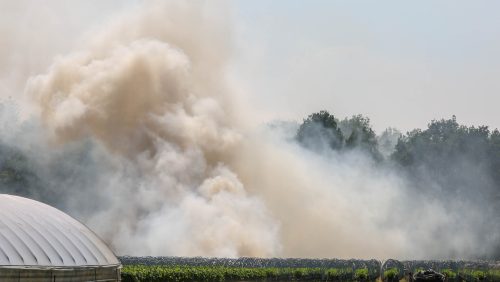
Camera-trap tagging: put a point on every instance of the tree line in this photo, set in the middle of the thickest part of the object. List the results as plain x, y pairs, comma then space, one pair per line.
451, 154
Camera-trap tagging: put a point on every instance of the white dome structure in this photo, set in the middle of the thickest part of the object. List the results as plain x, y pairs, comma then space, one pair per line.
41, 243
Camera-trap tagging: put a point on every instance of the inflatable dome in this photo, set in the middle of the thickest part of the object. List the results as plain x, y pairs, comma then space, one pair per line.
41, 243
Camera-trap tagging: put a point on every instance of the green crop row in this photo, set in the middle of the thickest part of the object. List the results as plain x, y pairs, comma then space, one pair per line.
477, 275
471, 274
143, 273
391, 274
452, 275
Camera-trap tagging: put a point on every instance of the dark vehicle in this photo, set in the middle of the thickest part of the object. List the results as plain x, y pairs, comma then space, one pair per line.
428, 276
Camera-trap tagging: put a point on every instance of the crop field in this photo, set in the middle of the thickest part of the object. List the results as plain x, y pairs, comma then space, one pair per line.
393, 270
158, 269
219, 273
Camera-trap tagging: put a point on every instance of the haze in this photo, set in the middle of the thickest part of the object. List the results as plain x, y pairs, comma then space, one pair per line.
401, 64
187, 128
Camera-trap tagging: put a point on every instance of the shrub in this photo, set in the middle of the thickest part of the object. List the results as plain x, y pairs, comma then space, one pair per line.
391, 274
449, 273
361, 274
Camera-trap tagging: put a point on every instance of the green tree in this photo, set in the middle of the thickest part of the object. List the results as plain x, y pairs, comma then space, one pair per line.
320, 131
387, 141
442, 141
450, 154
494, 154
16, 173
359, 134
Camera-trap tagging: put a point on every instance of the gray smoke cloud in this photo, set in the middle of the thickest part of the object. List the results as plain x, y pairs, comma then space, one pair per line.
142, 137
155, 98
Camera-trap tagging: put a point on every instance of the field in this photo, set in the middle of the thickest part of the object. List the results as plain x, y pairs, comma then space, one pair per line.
158, 269
218, 273
458, 271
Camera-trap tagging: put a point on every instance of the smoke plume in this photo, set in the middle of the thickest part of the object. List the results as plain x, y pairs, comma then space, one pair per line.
142, 137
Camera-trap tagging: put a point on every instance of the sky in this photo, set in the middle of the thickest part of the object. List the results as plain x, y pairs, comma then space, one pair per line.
400, 63
141, 93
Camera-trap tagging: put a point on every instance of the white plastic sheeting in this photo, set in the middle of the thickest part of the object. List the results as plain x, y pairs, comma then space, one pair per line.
35, 234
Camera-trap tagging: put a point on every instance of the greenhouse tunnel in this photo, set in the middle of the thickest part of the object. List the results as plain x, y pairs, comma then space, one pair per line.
40, 243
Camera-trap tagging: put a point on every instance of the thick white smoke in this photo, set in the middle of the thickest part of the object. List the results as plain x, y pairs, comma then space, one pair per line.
175, 168
155, 100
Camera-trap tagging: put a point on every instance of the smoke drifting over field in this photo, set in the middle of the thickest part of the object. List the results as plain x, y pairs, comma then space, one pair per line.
143, 138
155, 98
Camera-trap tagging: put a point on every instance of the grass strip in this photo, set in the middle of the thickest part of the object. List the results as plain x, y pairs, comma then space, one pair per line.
143, 273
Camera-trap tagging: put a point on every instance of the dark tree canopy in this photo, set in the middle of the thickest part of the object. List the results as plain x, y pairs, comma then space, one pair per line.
359, 134
320, 131
387, 141
442, 140
454, 156
445, 153
494, 154
16, 172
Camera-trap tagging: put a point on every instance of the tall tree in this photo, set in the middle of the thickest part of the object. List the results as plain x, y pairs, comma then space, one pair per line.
359, 134
320, 131
387, 141
450, 154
